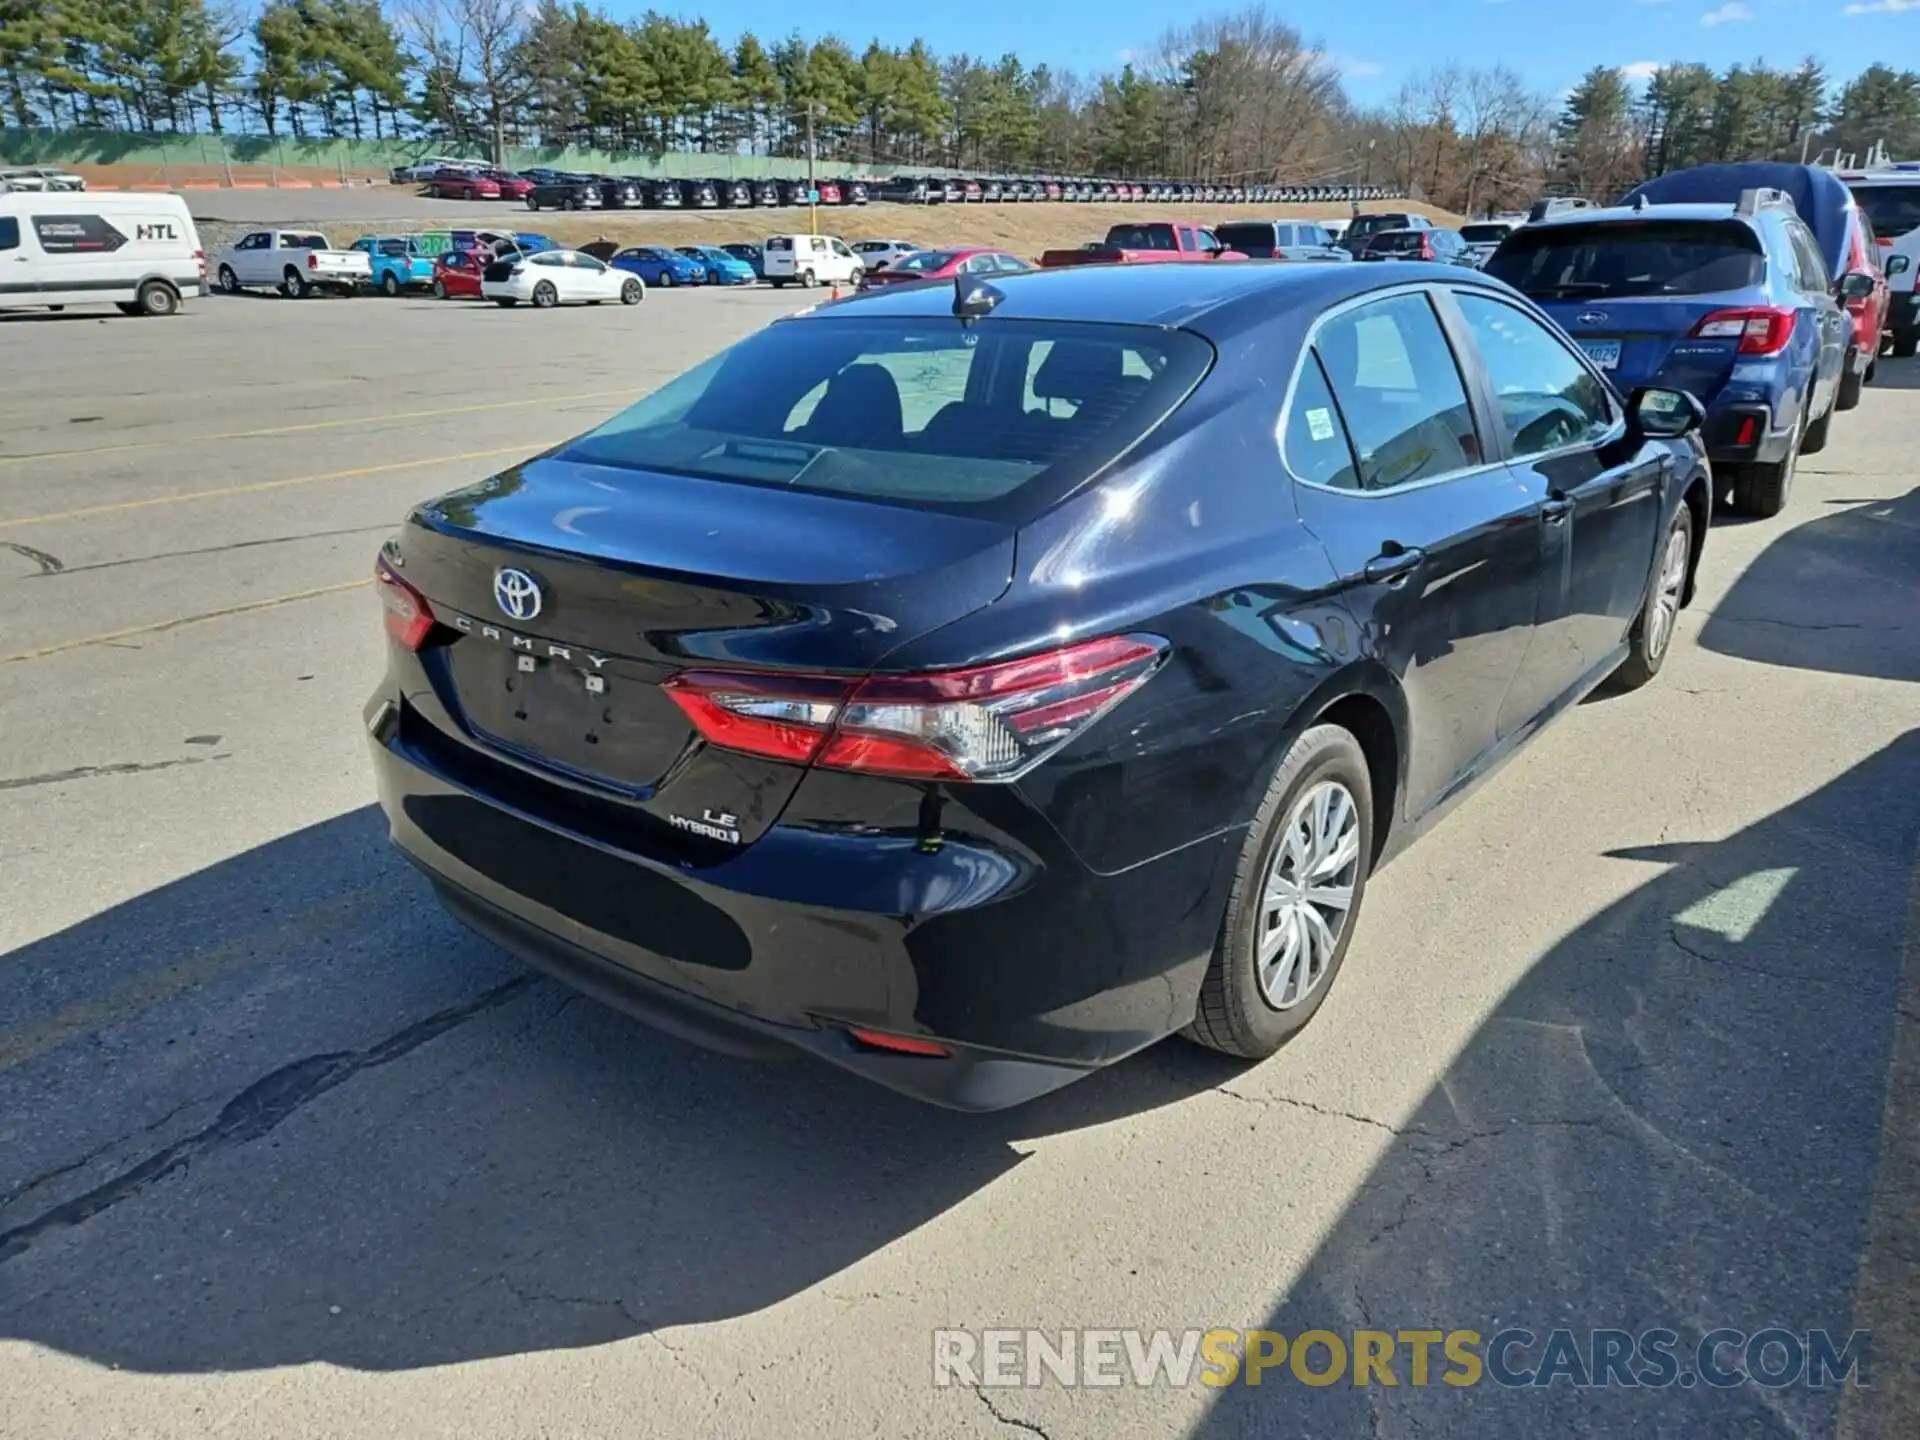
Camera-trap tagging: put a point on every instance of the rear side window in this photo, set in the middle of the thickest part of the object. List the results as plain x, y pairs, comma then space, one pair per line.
1141, 237
1400, 392
1483, 234
1630, 257
9, 233
916, 411
1315, 438
1893, 209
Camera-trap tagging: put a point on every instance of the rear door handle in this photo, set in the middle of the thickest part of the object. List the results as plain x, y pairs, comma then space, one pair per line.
1555, 509
1390, 567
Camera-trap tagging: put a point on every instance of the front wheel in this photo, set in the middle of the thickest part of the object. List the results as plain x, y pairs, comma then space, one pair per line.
667, 279
545, 297
1652, 634
1295, 899
632, 293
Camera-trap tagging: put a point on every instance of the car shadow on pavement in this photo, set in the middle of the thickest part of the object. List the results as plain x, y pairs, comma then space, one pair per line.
1828, 593
331, 1125
1674, 1120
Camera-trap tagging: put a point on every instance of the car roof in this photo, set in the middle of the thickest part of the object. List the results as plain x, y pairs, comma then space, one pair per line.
1572, 219
1215, 299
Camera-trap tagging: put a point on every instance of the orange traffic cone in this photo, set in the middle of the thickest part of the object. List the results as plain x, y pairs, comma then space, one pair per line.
836, 291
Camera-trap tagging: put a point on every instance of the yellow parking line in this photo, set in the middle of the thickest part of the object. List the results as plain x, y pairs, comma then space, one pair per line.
178, 621
88, 512
325, 425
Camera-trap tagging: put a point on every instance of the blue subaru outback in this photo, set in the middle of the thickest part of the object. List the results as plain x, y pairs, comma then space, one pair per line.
1732, 302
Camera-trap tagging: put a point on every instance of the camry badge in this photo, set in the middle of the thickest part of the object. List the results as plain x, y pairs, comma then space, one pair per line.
516, 593
1592, 317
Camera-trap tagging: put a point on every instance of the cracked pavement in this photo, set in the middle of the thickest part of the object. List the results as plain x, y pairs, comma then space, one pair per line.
1632, 1039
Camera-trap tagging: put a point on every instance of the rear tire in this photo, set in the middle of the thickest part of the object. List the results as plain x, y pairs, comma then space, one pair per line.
545, 297
439, 289
1651, 639
1905, 343
1237, 1013
390, 285
532, 204
293, 284
1815, 438
229, 282
157, 299
1852, 382
807, 280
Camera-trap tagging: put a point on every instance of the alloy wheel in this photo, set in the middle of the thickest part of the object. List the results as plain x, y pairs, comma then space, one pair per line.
1666, 595
1308, 894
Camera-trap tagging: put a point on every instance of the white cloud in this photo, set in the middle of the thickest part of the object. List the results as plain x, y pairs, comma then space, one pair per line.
1882, 7
1351, 66
1125, 57
1727, 14
1642, 69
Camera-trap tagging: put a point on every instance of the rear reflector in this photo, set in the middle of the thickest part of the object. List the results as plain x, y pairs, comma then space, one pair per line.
899, 1044
1760, 329
1748, 428
987, 722
409, 617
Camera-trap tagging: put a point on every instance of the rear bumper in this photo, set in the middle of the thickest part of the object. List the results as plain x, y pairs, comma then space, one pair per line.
1028, 968
1744, 434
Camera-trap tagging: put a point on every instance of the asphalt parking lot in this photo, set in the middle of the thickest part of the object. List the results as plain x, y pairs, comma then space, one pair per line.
1632, 1040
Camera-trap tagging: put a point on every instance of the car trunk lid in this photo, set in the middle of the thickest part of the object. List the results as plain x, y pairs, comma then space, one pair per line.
644, 574
1650, 340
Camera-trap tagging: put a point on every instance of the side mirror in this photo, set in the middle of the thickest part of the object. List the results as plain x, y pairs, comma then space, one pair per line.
1898, 265
1665, 414
1856, 285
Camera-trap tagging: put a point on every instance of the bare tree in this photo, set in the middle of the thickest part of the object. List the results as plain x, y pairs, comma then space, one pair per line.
473, 50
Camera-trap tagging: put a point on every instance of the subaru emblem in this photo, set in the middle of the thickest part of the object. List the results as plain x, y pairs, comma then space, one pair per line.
1592, 317
516, 593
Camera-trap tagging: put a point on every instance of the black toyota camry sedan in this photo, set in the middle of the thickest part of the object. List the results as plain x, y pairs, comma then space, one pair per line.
971, 684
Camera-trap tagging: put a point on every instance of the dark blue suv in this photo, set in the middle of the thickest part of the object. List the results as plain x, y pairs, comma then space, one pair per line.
1731, 302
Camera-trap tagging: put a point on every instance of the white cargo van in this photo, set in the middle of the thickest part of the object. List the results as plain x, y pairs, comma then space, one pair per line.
139, 252
809, 260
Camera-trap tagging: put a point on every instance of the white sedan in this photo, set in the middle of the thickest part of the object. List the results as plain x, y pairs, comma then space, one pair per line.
875, 253
558, 277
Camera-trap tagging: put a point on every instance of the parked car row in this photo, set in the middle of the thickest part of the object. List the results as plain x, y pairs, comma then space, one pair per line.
40, 179
956, 190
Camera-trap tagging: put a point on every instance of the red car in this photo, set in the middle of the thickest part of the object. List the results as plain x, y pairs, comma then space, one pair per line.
462, 185
512, 187
456, 274
829, 193
944, 265
1869, 312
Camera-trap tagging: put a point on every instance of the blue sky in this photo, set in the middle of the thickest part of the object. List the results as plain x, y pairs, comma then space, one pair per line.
1379, 43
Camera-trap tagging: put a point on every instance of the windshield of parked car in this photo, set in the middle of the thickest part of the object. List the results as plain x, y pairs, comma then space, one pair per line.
923, 260
1489, 234
1396, 242
1621, 258
1893, 209
919, 411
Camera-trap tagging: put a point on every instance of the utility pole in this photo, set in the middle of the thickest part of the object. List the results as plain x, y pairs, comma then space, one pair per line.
813, 194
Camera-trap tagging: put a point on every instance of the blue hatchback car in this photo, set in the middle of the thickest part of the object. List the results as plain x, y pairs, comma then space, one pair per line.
1732, 303
658, 265
722, 268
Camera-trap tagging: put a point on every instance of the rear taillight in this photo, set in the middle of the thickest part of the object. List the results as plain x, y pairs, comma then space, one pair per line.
200, 259
409, 617
313, 261
1760, 329
988, 723
1426, 247
898, 1044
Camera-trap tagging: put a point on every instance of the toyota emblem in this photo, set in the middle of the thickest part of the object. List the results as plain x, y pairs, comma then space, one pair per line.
1592, 317
516, 593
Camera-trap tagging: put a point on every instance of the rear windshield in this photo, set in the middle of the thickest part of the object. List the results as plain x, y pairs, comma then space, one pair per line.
1374, 224
1630, 257
1245, 237
1893, 209
1485, 234
1141, 237
924, 412
303, 242
1396, 242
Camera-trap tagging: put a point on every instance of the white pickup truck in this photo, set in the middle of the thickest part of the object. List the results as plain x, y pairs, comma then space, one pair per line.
293, 262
